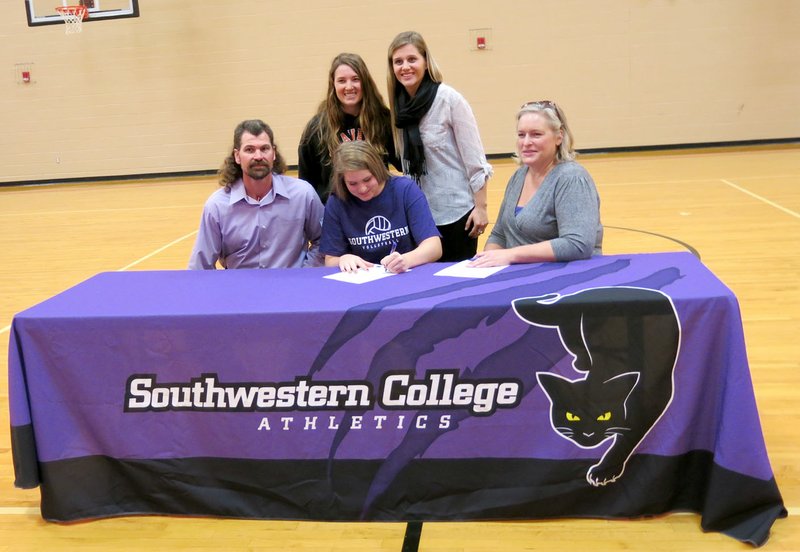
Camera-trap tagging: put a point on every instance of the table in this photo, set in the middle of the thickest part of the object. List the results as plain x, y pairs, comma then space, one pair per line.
616, 387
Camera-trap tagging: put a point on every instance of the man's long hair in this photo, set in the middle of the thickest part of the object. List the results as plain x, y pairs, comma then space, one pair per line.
231, 171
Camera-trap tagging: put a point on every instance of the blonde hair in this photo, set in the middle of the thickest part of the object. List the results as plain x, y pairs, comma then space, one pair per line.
416, 40
557, 120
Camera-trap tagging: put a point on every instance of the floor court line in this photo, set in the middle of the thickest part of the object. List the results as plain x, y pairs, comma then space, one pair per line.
690, 181
8, 188
654, 182
19, 510
763, 199
114, 210
157, 251
134, 263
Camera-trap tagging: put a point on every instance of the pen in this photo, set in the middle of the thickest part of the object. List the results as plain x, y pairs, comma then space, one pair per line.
394, 246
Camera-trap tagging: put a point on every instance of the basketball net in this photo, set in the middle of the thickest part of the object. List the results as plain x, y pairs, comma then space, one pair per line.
73, 17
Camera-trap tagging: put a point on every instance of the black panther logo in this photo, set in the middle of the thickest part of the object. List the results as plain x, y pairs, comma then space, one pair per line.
625, 342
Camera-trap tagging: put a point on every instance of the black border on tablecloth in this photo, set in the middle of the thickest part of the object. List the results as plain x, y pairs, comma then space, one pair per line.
737, 505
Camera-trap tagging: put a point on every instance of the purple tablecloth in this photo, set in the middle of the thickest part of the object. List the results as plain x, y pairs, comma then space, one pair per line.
283, 394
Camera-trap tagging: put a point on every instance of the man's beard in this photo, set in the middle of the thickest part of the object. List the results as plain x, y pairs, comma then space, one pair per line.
258, 171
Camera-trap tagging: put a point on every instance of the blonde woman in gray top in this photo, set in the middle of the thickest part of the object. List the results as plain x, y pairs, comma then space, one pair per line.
438, 141
551, 209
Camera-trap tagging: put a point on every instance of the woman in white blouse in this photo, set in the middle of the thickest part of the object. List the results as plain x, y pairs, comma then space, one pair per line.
438, 141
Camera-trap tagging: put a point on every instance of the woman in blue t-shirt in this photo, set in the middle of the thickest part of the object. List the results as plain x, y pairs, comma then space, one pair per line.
373, 217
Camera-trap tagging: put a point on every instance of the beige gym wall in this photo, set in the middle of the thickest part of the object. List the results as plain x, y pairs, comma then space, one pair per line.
161, 93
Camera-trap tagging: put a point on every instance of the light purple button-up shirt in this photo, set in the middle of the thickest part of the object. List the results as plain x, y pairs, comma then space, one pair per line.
280, 231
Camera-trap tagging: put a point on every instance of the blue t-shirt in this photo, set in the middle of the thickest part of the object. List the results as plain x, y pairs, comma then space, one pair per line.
400, 214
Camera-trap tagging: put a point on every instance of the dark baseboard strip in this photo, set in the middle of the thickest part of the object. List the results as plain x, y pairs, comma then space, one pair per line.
110, 178
673, 147
209, 172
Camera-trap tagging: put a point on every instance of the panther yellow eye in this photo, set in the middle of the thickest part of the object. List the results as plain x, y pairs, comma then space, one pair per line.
572, 417
604, 417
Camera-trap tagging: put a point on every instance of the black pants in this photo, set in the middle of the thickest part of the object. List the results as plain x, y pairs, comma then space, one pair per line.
456, 243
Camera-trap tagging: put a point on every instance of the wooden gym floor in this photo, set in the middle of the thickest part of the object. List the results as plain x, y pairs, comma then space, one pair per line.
739, 208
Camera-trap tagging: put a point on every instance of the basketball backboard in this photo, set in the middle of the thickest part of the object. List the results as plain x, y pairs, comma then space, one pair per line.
43, 12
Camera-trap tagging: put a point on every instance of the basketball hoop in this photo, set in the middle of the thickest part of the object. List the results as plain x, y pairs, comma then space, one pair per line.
73, 17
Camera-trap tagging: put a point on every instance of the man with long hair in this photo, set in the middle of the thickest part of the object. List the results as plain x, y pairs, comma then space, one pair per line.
260, 218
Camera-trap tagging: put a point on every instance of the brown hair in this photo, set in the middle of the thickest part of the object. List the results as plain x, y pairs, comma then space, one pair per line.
373, 117
356, 156
231, 170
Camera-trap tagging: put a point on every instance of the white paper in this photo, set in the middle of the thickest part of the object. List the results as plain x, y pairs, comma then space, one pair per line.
461, 270
361, 275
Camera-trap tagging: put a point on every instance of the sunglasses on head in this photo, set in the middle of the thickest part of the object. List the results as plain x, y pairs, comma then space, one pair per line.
541, 103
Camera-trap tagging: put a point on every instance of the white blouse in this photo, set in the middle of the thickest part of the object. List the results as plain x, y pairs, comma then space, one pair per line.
454, 157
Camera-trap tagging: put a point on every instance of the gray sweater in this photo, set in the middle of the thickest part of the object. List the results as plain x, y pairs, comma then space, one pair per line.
565, 210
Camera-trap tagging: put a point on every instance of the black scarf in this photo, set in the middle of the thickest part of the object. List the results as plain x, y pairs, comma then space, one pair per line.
409, 113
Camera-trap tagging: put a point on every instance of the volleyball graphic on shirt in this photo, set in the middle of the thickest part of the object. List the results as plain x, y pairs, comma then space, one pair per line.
376, 225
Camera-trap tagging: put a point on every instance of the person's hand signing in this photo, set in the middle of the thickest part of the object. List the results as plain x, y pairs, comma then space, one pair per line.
395, 263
